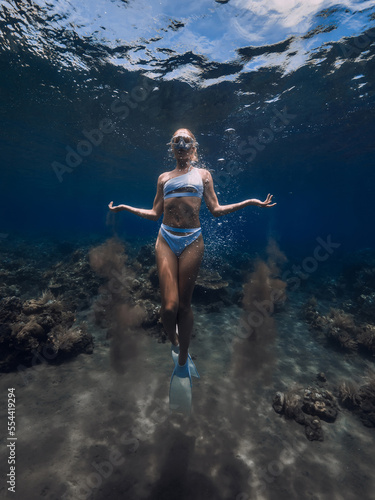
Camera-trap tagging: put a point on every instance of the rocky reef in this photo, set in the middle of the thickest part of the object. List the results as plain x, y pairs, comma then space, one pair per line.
211, 290
27, 270
308, 407
39, 329
346, 331
360, 399
73, 280
46, 283
358, 280
314, 404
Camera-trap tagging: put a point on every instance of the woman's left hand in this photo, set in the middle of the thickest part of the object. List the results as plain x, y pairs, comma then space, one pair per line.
114, 209
267, 202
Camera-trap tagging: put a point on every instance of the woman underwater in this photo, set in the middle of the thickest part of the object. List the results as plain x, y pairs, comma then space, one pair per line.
179, 246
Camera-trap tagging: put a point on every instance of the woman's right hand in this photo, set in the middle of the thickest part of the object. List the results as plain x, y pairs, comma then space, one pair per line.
114, 209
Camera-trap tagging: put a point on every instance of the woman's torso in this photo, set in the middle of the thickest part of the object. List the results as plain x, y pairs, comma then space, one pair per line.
183, 211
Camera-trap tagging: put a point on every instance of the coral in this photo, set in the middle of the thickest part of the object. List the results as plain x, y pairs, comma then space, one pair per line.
321, 376
210, 287
47, 295
152, 314
366, 338
348, 395
146, 255
313, 429
309, 312
21, 277
29, 328
342, 329
28, 336
67, 341
366, 303
320, 403
342, 338
292, 406
73, 281
10, 308
307, 407
278, 403
359, 278
342, 320
365, 279
338, 326
55, 268
312, 303
360, 400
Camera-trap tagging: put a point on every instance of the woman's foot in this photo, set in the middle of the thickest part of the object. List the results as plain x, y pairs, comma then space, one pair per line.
175, 356
182, 358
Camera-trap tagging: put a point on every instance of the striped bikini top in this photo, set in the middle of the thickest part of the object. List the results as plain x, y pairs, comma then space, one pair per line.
191, 180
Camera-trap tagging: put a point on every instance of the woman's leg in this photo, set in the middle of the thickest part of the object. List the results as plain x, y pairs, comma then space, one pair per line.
188, 266
167, 264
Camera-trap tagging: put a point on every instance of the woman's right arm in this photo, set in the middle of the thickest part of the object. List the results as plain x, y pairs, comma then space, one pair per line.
153, 214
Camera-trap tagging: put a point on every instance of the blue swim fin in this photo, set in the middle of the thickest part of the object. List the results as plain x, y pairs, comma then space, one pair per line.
175, 352
180, 395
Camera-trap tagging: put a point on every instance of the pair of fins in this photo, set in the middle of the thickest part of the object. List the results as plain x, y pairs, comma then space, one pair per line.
180, 394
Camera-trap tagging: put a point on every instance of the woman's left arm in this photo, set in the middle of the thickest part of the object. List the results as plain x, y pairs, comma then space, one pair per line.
218, 210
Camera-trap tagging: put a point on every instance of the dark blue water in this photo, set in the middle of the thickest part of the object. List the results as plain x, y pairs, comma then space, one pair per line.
280, 96
211, 67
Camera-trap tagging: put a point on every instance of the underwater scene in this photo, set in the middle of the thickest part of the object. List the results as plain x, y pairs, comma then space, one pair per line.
187, 250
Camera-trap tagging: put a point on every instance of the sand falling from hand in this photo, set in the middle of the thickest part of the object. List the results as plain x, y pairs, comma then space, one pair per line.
253, 350
114, 307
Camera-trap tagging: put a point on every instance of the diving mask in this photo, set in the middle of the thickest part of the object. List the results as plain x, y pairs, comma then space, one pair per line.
183, 142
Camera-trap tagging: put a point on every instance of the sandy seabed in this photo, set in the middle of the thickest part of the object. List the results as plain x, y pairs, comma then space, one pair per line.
89, 429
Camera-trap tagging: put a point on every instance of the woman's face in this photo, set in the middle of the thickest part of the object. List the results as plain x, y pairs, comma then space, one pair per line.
182, 138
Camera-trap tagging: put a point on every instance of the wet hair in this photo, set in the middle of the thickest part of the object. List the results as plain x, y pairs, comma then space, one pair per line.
186, 131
